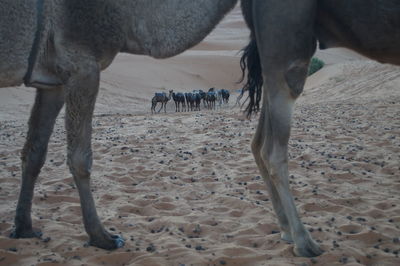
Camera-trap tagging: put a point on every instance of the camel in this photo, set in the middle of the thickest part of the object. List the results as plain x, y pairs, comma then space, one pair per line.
189, 101
160, 98
239, 98
179, 99
59, 47
196, 100
284, 36
218, 98
203, 97
211, 97
225, 96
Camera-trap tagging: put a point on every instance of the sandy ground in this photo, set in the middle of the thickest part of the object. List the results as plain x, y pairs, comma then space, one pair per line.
183, 188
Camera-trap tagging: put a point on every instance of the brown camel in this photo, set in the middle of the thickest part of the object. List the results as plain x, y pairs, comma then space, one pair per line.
59, 47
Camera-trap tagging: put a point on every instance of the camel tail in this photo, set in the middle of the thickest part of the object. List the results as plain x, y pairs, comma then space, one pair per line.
250, 64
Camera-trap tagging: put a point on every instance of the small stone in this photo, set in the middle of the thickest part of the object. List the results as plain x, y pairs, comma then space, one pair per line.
387, 250
343, 260
200, 247
151, 248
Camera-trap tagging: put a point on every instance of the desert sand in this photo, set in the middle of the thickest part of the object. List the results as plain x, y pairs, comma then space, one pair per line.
183, 188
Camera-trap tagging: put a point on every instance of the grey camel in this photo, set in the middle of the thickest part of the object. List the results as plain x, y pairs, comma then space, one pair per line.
59, 47
162, 98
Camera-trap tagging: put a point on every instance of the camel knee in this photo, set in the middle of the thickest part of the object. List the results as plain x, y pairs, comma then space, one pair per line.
276, 161
80, 164
295, 76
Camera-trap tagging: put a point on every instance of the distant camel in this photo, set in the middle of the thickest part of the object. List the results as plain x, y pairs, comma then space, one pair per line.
160, 98
239, 98
60, 47
196, 100
222, 97
203, 97
179, 99
211, 98
218, 98
189, 101
225, 96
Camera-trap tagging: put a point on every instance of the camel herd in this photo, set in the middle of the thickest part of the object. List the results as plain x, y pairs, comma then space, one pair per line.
191, 101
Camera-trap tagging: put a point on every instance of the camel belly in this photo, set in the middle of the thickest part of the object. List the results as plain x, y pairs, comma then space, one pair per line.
369, 27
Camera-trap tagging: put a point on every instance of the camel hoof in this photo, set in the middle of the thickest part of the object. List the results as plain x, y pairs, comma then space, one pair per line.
119, 241
111, 243
287, 237
25, 234
310, 249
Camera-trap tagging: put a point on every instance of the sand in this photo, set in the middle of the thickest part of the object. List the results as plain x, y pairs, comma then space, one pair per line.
183, 188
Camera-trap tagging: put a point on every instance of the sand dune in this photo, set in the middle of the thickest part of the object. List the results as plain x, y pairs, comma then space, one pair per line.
183, 188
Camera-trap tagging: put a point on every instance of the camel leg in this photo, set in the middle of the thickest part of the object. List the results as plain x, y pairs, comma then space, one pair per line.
162, 105
48, 104
273, 154
241, 106
256, 145
154, 106
271, 157
285, 48
81, 93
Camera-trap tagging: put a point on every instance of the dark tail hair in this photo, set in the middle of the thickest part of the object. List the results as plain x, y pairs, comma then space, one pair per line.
250, 63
